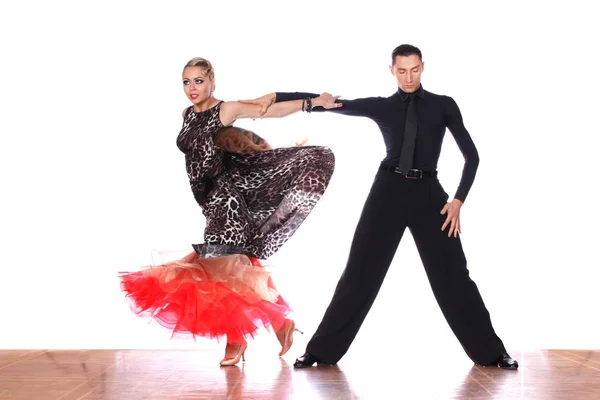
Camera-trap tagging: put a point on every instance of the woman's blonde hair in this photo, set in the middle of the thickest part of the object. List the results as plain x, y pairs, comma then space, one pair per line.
203, 63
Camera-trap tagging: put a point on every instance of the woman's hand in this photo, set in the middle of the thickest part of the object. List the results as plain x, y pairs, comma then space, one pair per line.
326, 100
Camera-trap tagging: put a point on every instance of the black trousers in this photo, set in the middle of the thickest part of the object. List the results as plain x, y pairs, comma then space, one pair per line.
395, 203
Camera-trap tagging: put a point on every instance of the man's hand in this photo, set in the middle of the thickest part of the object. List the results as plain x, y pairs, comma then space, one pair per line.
264, 102
452, 209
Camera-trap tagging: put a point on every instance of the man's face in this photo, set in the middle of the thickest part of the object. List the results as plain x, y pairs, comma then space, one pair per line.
407, 70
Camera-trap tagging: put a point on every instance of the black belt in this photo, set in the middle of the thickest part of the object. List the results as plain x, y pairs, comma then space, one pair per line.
411, 174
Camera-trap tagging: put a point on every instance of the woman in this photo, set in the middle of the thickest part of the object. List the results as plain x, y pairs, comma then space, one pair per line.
254, 198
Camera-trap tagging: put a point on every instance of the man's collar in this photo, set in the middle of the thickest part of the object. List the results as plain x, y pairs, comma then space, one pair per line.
403, 95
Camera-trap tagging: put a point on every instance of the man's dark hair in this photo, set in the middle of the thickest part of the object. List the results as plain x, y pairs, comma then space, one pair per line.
406, 50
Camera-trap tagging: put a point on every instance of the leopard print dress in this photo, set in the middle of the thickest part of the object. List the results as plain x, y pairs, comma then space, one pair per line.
253, 202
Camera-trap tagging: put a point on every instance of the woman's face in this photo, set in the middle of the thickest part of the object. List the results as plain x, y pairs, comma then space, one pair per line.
198, 88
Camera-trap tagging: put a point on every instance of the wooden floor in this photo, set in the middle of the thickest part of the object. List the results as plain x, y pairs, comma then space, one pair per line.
178, 374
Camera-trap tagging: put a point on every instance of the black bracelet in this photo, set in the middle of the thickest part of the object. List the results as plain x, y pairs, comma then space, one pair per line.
303, 103
308, 104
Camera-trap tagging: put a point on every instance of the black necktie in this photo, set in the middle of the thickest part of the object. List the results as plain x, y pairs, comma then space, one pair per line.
410, 136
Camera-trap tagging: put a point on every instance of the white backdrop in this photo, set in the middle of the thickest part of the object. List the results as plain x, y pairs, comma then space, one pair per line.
92, 181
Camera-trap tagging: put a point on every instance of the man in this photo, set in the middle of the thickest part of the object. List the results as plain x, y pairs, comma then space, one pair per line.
407, 193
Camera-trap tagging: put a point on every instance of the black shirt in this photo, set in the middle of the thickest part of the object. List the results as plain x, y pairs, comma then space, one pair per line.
435, 114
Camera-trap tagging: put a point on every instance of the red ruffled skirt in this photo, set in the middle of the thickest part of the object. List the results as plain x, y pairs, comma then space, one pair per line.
230, 296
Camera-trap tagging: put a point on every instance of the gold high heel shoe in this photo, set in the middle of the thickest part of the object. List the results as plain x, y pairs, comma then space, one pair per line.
285, 335
237, 350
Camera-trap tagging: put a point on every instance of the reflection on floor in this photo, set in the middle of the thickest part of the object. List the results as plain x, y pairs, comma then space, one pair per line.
179, 374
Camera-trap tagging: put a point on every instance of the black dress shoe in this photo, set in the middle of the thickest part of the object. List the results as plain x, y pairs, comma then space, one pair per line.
504, 361
307, 360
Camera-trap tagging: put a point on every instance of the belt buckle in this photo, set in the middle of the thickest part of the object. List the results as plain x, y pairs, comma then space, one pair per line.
414, 174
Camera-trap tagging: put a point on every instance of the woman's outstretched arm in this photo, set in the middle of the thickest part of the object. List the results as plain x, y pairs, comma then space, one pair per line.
234, 110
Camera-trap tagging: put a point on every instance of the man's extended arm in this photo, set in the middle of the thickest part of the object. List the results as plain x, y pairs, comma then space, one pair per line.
364, 107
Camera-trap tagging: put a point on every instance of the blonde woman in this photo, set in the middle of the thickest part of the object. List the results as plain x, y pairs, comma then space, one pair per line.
254, 198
